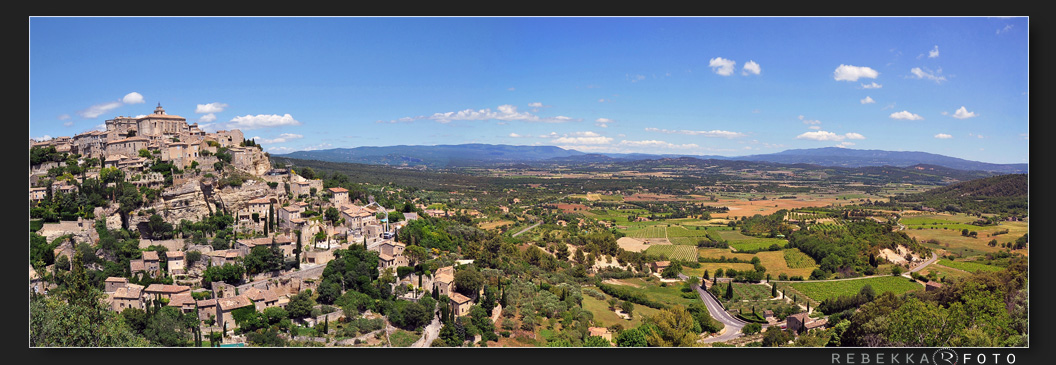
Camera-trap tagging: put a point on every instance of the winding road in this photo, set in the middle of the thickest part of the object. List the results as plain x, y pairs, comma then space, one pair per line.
733, 325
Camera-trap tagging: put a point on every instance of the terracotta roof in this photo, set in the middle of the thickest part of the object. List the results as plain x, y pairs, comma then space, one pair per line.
817, 323
150, 255
254, 294
136, 265
263, 200
174, 254
206, 303
179, 300
130, 291
168, 288
233, 302
338, 190
458, 298
116, 279
598, 331
384, 257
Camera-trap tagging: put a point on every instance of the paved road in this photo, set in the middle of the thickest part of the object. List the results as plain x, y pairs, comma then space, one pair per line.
526, 229
431, 332
733, 325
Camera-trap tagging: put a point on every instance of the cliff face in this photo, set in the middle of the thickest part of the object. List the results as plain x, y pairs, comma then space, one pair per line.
186, 201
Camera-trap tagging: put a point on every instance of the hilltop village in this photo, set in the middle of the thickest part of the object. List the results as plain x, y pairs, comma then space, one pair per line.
157, 233
197, 206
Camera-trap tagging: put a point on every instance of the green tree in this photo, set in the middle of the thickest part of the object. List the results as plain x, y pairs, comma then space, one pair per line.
674, 328
596, 341
468, 281
300, 305
631, 338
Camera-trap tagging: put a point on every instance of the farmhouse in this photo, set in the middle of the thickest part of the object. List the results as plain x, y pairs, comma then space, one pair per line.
460, 303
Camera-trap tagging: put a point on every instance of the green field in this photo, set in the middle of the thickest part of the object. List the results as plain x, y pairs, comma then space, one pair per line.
821, 290
671, 294
796, 259
674, 252
402, 338
603, 317
968, 266
653, 231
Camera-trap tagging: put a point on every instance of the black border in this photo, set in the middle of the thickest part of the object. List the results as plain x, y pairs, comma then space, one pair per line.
1040, 342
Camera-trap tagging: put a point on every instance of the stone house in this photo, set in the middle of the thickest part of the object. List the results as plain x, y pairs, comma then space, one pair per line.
460, 303
802, 321
340, 196
601, 332
443, 280
114, 282
659, 266
221, 257
167, 291
224, 307
175, 262
183, 301
37, 194
151, 263
128, 296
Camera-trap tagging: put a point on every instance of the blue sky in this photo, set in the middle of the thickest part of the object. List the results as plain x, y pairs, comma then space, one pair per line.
729, 86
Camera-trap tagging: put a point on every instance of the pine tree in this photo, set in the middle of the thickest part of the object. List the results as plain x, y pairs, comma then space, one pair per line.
729, 291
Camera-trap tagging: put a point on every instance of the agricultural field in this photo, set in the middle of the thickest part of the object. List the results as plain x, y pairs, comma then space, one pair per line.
969, 266
647, 231
669, 294
674, 252
821, 290
776, 264
796, 259
747, 243
944, 272
711, 267
946, 230
716, 253
603, 317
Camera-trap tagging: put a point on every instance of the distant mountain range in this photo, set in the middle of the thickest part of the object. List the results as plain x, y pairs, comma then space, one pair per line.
490, 154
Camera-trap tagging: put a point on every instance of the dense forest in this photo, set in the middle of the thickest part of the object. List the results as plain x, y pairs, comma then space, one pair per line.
1004, 194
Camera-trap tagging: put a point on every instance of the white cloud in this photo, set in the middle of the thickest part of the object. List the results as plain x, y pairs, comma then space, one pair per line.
280, 149
872, 86
934, 52
963, 113
208, 118
577, 138
814, 127
853, 73
98, 109
657, 144
922, 74
867, 100
809, 121
751, 68
603, 122
504, 113
943, 136
828, 136
1005, 29
43, 138
905, 115
285, 137
249, 122
722, 66
210, 108
712, 133
132, 98
636, 78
